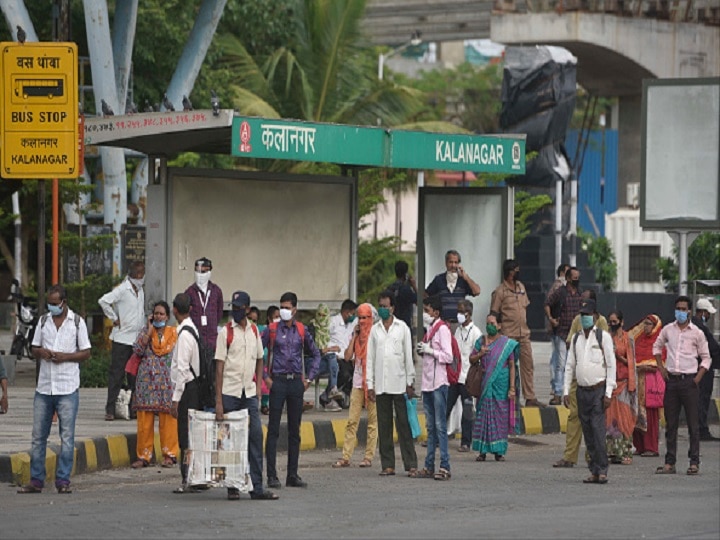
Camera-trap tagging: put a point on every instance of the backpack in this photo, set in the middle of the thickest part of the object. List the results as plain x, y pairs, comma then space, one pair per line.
273, 333
231, 333
206, 377
454, 368
45, 317
598, 337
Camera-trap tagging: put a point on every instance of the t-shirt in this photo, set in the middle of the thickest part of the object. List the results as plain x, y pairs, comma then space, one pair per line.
405, 299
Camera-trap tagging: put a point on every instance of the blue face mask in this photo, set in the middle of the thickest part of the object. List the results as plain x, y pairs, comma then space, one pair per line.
55, 311
159, 324
239, 314
586, 321
681, 316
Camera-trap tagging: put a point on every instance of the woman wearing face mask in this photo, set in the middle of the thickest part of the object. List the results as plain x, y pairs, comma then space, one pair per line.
621, 416
496, 406
651, 387
153, 389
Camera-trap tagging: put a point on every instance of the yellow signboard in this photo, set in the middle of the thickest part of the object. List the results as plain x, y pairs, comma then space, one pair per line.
39, 119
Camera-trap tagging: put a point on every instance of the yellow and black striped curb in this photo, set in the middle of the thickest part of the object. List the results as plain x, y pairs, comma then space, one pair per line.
117, 451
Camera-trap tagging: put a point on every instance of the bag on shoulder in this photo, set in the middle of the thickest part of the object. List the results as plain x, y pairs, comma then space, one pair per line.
598, 338
454, 368
473, 382
272, 328
206, 377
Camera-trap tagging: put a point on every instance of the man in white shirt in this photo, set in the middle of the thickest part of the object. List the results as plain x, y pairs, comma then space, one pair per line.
60, 343
466, 335
592, 363
125, 307
391, 374
185, 361
239, 358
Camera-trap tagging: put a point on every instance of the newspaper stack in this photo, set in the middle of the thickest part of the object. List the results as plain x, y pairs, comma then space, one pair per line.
218, 451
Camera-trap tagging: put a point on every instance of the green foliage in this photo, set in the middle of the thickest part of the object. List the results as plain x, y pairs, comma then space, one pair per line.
373, 183
526, 206
703, 262
376, 266
94, 371
600, 257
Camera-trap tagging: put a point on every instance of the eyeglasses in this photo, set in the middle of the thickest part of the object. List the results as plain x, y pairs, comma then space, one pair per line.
363, 317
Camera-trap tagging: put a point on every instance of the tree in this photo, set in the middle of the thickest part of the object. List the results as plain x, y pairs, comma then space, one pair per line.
703, 262
600, 257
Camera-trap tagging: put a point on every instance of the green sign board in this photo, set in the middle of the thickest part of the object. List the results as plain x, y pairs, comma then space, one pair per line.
376, 147
305, 141
444, 151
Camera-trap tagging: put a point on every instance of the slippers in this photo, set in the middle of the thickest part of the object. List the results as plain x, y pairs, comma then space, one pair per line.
109, 417
264, 496
185, 489
29, 489
341, 464
140, 464
693, 470
64, 489
481, 457
666, 469
169, 462
592, 479
421, 473
562, 464
365, 463
442, 474
499, 457
387, 472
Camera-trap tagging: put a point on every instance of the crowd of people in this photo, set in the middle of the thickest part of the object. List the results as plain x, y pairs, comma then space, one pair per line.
614, 381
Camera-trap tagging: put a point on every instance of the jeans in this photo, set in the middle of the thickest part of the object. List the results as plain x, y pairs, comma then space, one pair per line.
557, 365
290, 391
44, 406
435, 405
456, 391
328, 365
255, 435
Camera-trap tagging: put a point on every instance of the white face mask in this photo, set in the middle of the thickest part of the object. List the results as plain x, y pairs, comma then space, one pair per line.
461, 318
285, 314
138, 282
201, 279
428, 319
276, 320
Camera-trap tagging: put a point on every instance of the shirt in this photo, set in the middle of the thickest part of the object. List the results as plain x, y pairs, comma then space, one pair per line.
466, 336
60, 379
210, 305
449, 299
568, 310
511, 300
389, 358
576, 326
287, 353
684, 346
127, 305
185, 354
434, 372
591, 365
240, 359
405, 299
340, 333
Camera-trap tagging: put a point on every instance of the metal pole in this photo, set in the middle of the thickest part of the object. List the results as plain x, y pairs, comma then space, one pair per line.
55, 231
18, 236
683, 261
558, 222
572, 231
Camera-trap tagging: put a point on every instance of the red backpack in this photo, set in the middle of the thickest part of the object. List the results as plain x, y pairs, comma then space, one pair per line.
231, 333
454, 368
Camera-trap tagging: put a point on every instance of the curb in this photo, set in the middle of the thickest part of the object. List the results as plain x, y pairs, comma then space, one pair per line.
117, 451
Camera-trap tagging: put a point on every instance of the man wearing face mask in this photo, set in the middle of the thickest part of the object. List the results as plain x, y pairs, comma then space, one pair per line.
125, 307
703, 311
206, 305
238, 364
287, 382
592, 363
452, 286
684, 343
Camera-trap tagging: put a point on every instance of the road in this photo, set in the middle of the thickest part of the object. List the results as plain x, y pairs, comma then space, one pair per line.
521, 498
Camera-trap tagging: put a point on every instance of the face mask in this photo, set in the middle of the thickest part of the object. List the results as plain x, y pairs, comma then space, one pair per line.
201, 279
138, 282
614, 327
285, 314
681, 316
586, 321
575, 283
349, 319
159, 324
428, 319
276, 320
384, 313
704, 319
238, 315
461, 318
55, 311
517, 275
491, 329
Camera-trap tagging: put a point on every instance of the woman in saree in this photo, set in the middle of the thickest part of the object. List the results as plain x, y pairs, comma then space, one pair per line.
621, 415
651, 387
153, 389
496, 406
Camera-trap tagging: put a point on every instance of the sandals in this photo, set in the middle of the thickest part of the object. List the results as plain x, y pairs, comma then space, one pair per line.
421, 473
365, 463
387, 472
264, 496
29, 488
64, 489
109, 417
596, 479
442, 474
140, 464
693, 470
341, 464
169, 462
481, 457
648, 453
184, 488
627, 460
233, 494
499, 457
562, 464
666, 469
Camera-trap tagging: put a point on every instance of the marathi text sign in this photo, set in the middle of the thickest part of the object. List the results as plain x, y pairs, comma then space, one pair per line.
305, 141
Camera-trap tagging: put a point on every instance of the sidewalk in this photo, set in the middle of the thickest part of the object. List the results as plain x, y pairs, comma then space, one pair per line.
103, 445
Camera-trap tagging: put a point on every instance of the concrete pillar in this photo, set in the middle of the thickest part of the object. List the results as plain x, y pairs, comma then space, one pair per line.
629, 130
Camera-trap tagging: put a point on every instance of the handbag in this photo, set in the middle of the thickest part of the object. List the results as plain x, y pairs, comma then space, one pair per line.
473, 381
412, 416
133, 364
654, 390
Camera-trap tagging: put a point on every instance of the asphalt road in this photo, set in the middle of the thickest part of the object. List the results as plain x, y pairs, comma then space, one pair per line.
521, 498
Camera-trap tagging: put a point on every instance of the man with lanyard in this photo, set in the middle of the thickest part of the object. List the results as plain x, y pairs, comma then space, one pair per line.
125, 307
285, 342
703, 311
685, 343
510, 300
206, 305
239, 358
451, 286
60, 343
592, 364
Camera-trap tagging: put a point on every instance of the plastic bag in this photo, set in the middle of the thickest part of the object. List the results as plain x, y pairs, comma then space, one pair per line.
122, 404
412, 416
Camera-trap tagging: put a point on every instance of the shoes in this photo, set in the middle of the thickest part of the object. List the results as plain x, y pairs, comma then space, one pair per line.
708, 437
273, 482
233, 494
556, 400
295, 481
64, 489
336, 394
387, 472
333, 406
264, 496
534, 403
109, 417
30, 488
